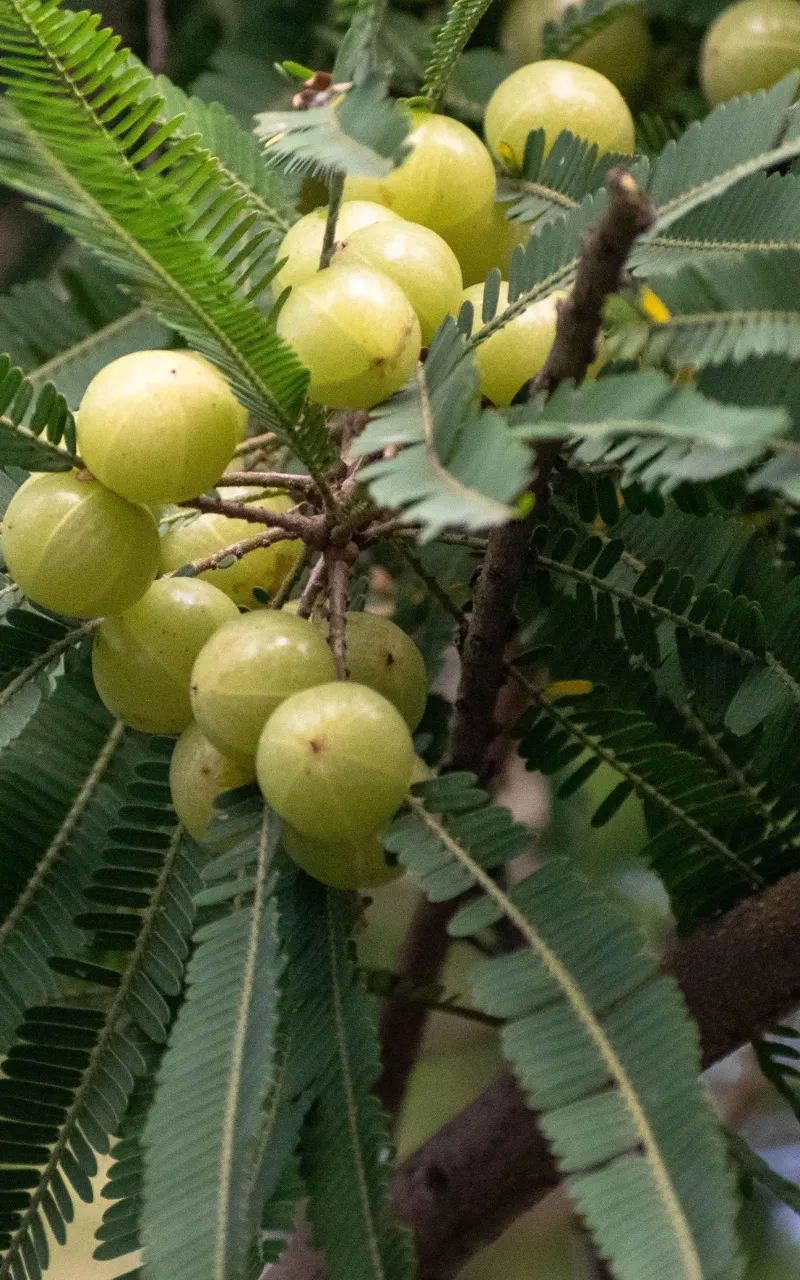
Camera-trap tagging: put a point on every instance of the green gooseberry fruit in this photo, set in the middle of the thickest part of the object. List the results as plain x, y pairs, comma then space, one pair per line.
357, 862
335, 761
621, 50
447, 176
485, 240
417, 259
203, 535
382, 656
142, 659
302, 244
512, 355
75, 547
247, 669
198, 774
242, 427
356, 333
751, 46
555, 95
158, 426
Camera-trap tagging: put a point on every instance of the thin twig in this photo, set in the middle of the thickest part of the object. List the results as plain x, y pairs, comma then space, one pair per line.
335, 193
268, 480
157, 37
236, 549
255, 442
293, 576
397, 988
312, 589
338, 575
310, 528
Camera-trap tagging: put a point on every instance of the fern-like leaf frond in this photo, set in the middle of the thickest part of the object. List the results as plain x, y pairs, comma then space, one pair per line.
655, 433
550, 184
27, 414
168, 224
449, 43
217, 1072
460, 467
347, 1137
602, 1045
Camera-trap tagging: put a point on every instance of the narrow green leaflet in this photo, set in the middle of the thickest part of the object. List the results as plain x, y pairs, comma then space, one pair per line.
461, 467
602, 1045
360, 131
216, 1076
346, 1142
357, 56
448, 44
556, 182
656, 433
27, 413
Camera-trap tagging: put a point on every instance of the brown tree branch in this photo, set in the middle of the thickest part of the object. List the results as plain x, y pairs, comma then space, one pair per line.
312, 589
268, 480
311, 529
338, 573
740, 974
157, 37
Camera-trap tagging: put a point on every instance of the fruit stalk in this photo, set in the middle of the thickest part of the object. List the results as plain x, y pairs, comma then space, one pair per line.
313, 589
338, 574
310, 528
239, 549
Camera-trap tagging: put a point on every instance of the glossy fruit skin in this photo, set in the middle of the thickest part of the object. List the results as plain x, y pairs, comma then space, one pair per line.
447, 177
357, 863
751, 46
242, 421
302, 244
246, 671
513, 354
621, 51
486, 240
555, 95
267, 567
142, 659
356, 333
158, 426
198, 773
75, 547
417, 259
381, 656
335, 761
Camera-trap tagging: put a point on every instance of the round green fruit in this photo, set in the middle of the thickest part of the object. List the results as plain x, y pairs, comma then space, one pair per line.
75, 547
195, 355
447, 177
158, 426
417, 259
356, 333
750, 46
512, 355
247, 669
335, 761
355, 863
266, 567
142, 659
554, 95
621, 51
198, 774
302, 244
486, 240
382, 656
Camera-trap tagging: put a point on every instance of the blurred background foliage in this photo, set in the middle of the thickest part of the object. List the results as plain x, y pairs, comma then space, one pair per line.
229, 50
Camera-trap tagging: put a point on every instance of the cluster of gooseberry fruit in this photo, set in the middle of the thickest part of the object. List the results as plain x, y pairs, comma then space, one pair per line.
252, 692
410, 248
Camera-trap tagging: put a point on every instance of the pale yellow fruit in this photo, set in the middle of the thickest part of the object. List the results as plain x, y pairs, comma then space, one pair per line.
555, 95
751, 46
302, 244
486, 240
621, 51
198, 775
515, 353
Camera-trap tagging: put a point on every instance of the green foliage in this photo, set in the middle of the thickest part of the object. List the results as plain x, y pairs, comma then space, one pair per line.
346, 1137
216, 1075
448, 44
118, 1234
652, 432
777, 1055
359, 131
25, 416
83, 151
549, 184
461, 466
600, 1042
